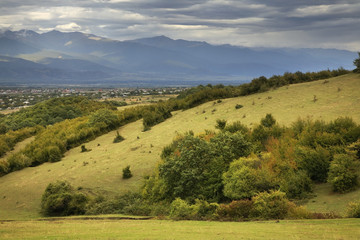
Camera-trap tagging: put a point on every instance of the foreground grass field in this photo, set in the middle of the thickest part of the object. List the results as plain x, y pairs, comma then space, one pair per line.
100, 170
161, 229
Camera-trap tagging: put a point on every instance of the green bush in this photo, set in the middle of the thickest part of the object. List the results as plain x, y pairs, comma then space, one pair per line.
60, 199
54, 153
220, 124
4, 167
268, 121
237, 127
181, 210
127, 172
296, 185
104, 119
245, 178
353, 210
342, 174
270, 205
18, 161
315, 162
84, 149
205, 210
131, 203
201, 210
238, 106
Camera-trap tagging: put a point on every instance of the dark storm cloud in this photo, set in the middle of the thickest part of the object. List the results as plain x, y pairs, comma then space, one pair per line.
273, 23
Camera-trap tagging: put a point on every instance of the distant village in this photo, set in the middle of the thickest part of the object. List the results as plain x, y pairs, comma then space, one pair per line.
16, 98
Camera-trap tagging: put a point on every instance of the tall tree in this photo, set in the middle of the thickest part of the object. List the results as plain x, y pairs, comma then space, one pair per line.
357, 64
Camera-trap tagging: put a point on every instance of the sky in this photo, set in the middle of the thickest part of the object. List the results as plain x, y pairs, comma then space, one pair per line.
250, 23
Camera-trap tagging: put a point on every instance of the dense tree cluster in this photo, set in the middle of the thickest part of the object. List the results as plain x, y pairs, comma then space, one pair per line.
50, 112
238, 166
61, 199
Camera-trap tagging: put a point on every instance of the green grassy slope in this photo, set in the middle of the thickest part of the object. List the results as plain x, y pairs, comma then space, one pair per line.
155, 229
100, 170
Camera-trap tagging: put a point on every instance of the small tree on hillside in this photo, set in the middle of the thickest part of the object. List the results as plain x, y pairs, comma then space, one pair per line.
357, 64
268, 121
118, 138
220, 124
127, 173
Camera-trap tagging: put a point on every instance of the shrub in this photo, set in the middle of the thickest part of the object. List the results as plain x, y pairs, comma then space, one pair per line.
238, 106
104, 119
127, 172
83, 148
268, 121
236, 210
220, 124
180, 210
270, 205
237, 127
330, 215
204, 210
54, 153
18, 161
298, 212
353, 210
201, 210
118, 138
342, 174
60, 199
129, 203
4, 167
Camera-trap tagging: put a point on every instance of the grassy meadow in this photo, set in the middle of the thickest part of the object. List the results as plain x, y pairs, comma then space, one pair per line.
161, 229
100, 170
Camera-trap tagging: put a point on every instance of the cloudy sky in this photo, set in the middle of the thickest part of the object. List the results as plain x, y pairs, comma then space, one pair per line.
262, 23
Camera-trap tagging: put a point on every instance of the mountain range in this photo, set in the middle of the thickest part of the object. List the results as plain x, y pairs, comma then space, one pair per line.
75, 58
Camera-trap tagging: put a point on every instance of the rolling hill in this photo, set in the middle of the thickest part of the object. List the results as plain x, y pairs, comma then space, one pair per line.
100, 169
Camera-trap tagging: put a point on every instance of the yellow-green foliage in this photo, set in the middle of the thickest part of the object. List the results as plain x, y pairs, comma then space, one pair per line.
353, 210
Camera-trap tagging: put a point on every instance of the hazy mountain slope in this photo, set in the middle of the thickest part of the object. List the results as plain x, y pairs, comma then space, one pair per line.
19, 71
21, 191
76, 65
13, 47
165, 58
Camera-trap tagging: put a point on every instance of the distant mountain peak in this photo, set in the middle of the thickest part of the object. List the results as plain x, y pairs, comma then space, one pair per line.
155, 38
160, 58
